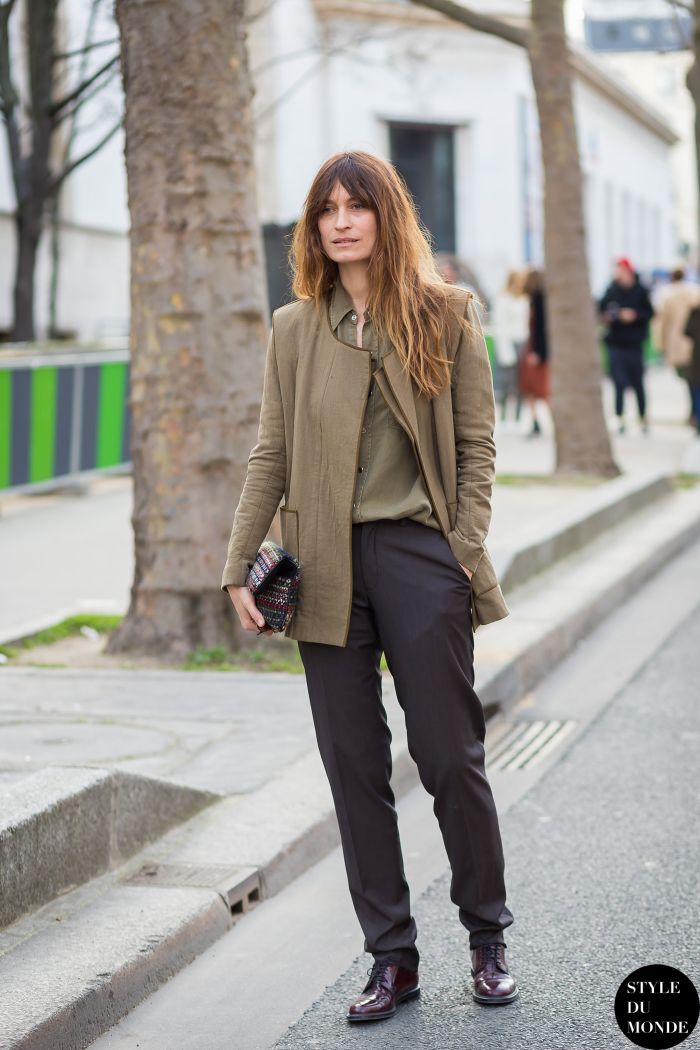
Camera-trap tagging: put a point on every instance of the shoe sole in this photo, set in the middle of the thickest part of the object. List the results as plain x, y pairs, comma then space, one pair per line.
487, 1000
402, 998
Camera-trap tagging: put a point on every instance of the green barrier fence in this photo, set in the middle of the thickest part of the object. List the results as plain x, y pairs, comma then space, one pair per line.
62, 414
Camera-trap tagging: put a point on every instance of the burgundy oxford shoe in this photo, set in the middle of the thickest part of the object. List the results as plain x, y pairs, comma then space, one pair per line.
493, 984
388, 985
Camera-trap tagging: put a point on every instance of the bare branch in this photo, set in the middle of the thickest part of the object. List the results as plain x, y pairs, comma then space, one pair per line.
264, 9
9, 98
61, 55
56, 107
481, 23
55, 183
95, 90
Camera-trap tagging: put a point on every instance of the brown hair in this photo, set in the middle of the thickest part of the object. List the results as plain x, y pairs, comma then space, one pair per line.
534, 281
408, 298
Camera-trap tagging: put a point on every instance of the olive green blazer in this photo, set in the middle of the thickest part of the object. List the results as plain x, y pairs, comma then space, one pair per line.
314, 396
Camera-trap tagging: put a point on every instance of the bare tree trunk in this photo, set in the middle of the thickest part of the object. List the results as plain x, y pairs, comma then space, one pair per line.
692, 81
582, 439
27, 237
31, 116
198, 312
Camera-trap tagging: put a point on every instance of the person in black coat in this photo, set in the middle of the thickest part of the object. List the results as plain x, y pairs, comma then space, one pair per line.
626, 308
692, 330
533, 376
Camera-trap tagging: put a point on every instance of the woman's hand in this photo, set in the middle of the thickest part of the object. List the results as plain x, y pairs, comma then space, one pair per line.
249, 615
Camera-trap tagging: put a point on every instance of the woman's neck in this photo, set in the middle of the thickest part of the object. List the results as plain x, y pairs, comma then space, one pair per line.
353, 277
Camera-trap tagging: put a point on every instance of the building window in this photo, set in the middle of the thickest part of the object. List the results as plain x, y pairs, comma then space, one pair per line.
424, 155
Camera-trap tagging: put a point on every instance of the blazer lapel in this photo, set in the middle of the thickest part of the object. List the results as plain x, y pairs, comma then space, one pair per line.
401, 387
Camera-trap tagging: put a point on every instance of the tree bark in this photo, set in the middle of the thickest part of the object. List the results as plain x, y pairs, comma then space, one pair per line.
199, 317
692, 82
582, 438
27, 236
581, 434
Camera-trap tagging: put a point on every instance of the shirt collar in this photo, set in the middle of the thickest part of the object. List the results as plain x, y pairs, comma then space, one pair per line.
341, 304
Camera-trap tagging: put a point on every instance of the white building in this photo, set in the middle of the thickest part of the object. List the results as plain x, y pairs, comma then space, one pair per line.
647, 44
453, 109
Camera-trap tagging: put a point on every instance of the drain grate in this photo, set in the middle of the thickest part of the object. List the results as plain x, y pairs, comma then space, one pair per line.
239, 887
526, 743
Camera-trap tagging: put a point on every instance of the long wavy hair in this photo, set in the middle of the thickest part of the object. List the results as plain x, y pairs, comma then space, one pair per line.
409, 301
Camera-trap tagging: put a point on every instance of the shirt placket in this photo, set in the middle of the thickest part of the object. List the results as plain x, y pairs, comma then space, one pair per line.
367, 423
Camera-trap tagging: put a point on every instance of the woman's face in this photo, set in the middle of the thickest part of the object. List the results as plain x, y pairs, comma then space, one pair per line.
348, 228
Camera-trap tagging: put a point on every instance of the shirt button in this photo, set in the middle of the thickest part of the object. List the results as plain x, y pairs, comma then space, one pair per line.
359, 470
364, 431
353, 316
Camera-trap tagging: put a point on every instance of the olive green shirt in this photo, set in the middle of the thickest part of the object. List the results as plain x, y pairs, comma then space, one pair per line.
389, 480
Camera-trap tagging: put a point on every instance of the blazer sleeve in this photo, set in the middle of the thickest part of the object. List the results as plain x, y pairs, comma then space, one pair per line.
265, 479
474, 414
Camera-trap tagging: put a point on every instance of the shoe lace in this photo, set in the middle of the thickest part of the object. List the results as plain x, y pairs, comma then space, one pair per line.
491, 953
377, 970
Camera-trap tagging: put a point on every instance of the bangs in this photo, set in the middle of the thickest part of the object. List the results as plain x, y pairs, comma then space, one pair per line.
352, 178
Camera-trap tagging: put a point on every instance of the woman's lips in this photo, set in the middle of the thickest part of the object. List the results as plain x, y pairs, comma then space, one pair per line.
346, 241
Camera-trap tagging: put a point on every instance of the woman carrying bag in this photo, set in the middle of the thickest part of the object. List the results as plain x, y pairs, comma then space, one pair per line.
376, 427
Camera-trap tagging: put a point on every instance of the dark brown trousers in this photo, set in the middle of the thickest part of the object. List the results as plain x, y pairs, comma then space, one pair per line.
411, 600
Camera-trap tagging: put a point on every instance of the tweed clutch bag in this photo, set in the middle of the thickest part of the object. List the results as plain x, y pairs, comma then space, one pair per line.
274, 580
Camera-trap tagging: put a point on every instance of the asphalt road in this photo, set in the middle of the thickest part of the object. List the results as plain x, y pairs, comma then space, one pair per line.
602, 871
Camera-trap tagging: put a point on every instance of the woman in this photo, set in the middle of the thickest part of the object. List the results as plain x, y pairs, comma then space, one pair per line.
534, 358
511, 313
377, 428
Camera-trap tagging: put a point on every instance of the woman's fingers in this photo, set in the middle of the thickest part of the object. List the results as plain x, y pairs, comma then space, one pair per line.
248, 613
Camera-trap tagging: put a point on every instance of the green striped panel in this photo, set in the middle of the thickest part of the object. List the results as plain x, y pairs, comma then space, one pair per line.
110, 417
5, 427
42, 424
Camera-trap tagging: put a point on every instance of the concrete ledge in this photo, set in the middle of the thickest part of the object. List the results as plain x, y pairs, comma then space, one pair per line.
568, 531
64, 825
73, 980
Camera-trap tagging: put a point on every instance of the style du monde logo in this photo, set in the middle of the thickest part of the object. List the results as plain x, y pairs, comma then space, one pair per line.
657, 1007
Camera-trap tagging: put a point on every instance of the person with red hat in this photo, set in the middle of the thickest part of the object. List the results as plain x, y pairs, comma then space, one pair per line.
626, 309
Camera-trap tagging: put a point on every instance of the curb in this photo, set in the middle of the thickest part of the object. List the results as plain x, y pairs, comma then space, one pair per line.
617, 500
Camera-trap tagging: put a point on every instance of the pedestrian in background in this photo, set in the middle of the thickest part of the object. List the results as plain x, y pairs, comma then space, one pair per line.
533, 366
692, 370
511, 326
377, 427
626, 309
673, 305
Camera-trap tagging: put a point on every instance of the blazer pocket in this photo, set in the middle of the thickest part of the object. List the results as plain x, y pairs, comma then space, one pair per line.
289, 528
